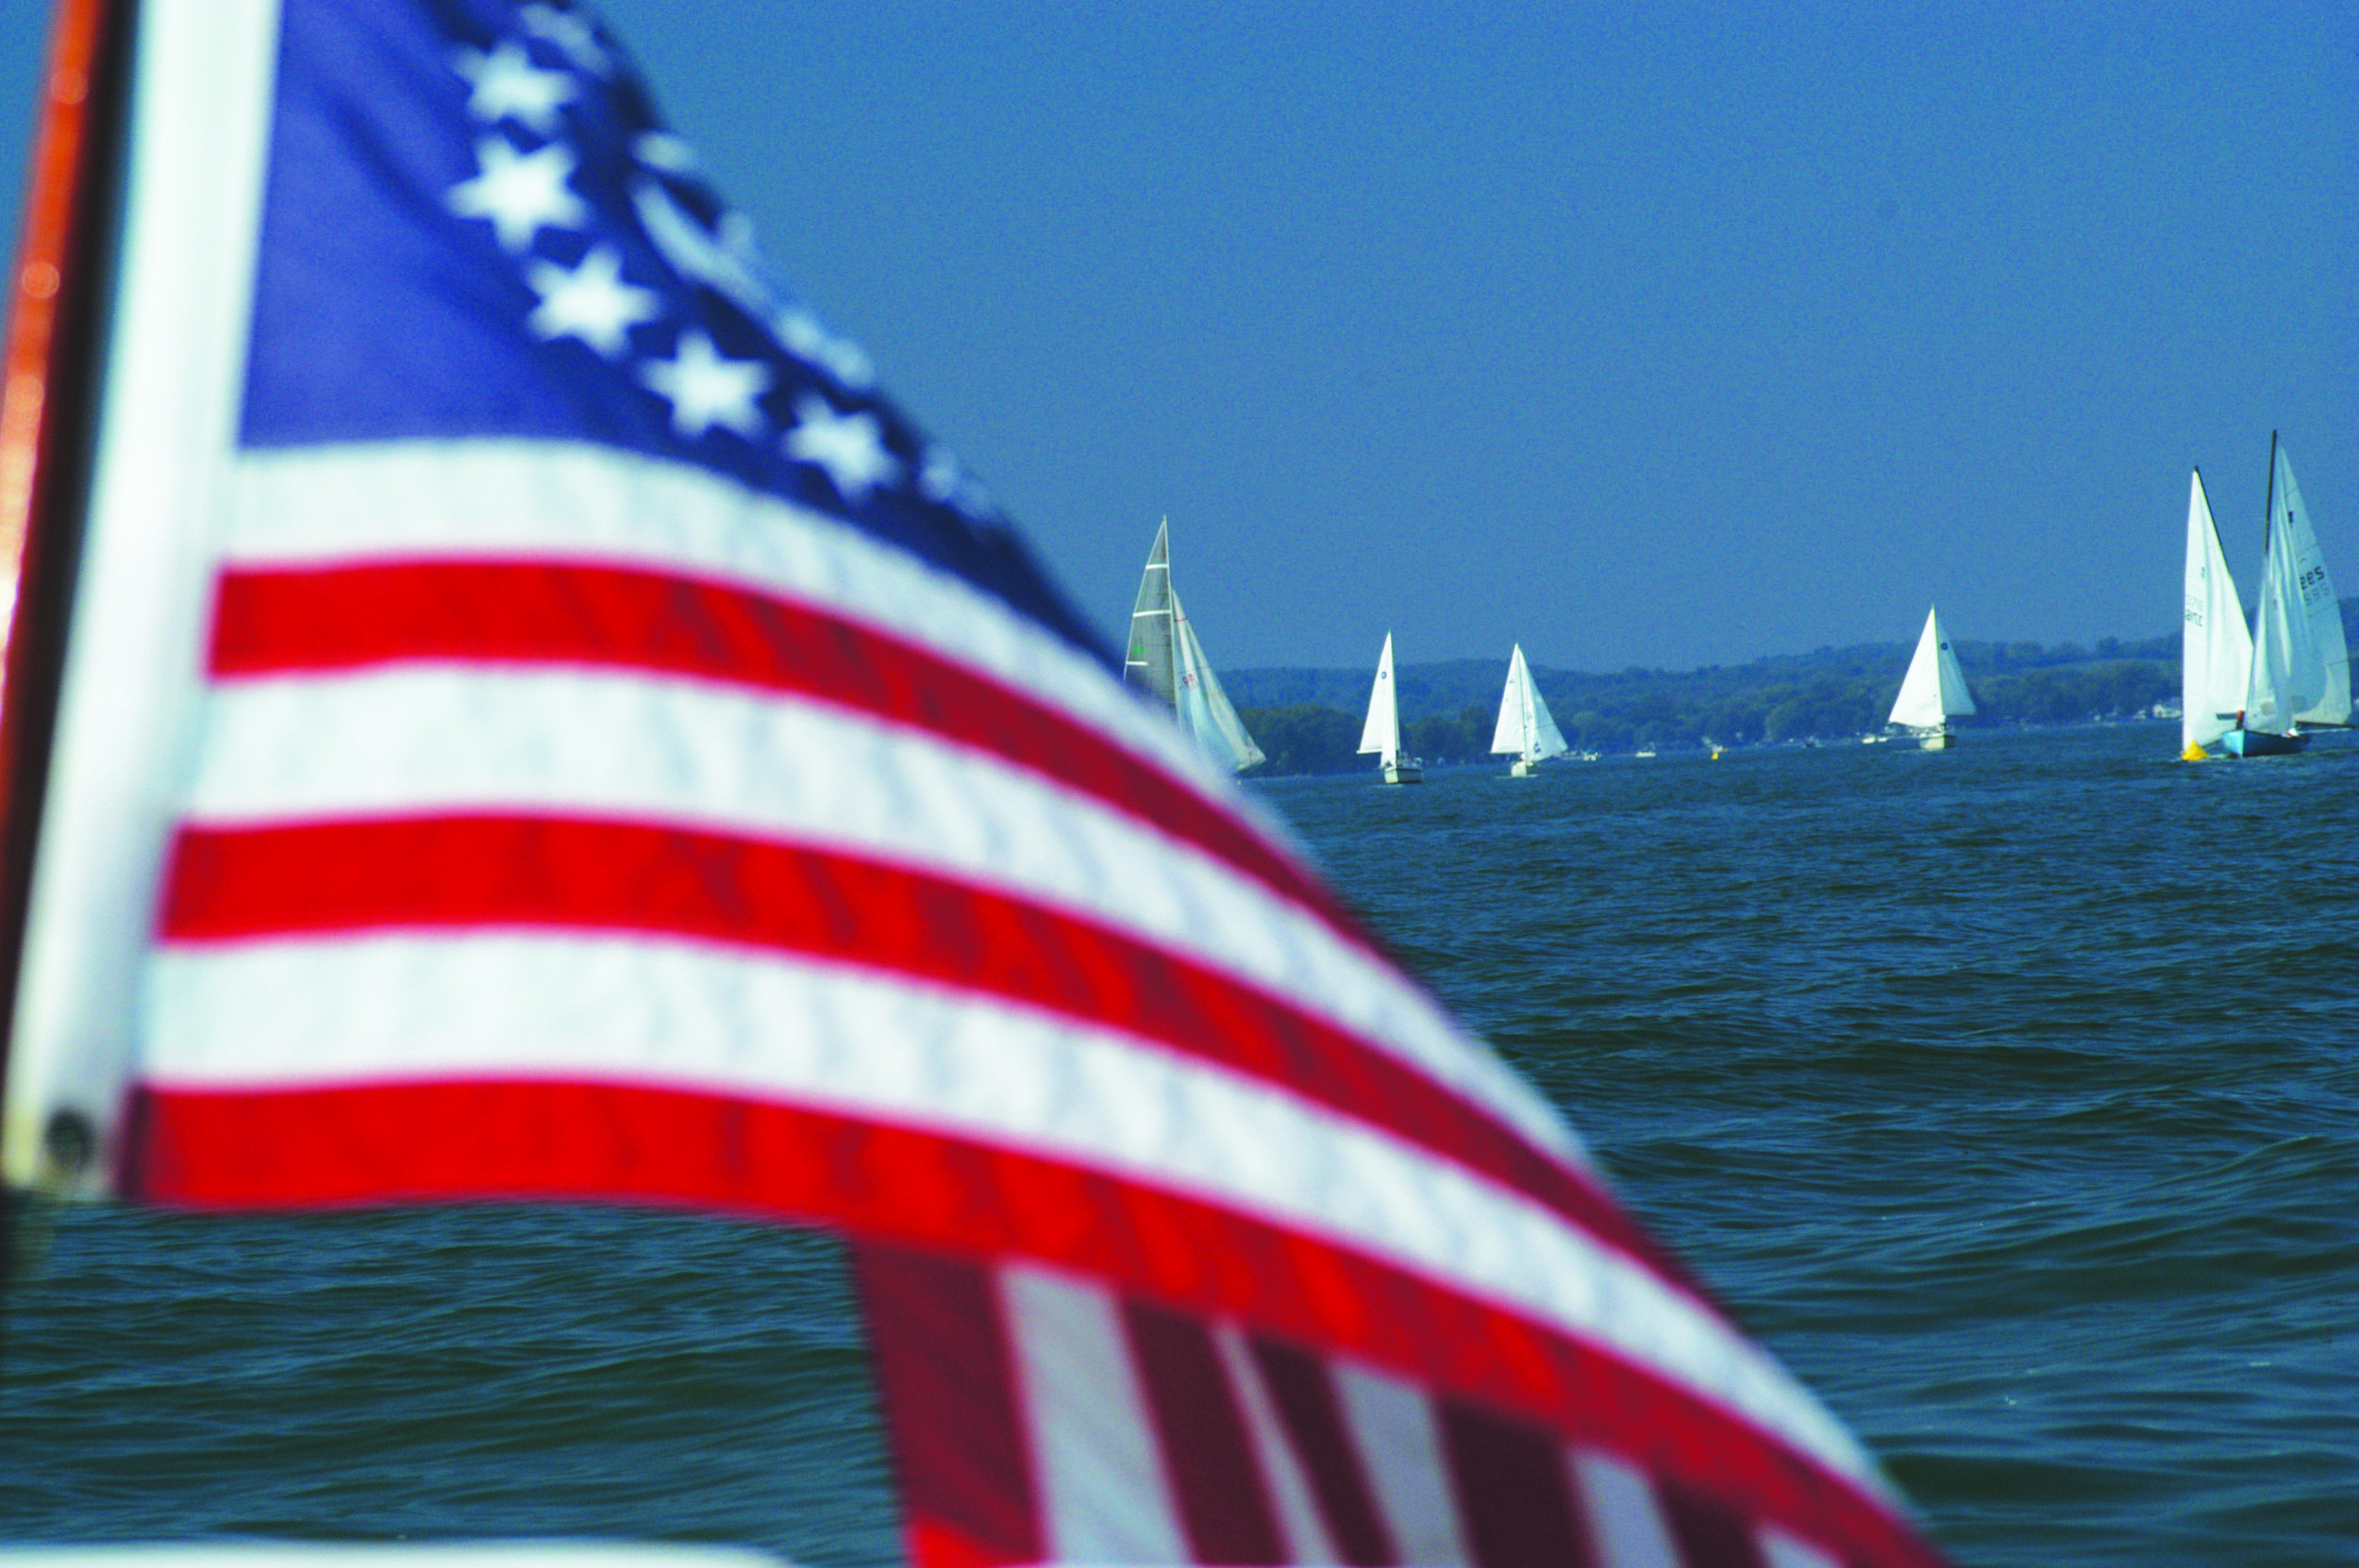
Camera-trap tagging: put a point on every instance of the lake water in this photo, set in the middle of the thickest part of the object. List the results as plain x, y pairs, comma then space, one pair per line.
2009, 1093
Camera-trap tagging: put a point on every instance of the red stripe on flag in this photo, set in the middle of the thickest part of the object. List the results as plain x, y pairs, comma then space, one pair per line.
1514, 1496
289, 620
226, 884
517, 1141
1305, 1398
1223, 1504
944, 1376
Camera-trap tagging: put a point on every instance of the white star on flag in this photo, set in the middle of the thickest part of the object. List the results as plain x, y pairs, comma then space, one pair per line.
508, 86
571, 33
592, 302
520, 193
938, 478
849, 446
806, 337
942, 478
664, 151
706, 390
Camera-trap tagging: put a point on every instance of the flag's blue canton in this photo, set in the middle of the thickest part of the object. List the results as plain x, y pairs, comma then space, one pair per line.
476, 226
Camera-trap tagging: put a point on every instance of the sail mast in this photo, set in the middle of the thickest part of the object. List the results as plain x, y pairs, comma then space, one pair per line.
48, 398
2258, 680
2269, 505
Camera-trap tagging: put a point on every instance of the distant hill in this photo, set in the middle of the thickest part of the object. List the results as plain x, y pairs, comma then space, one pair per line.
1307, 720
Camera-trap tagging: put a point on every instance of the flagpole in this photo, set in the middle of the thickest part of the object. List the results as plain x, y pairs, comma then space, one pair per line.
48, 398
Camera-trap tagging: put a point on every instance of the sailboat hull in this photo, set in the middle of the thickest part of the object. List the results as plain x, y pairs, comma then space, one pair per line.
2260, 743
1406, 771
1523, 768
1939, 740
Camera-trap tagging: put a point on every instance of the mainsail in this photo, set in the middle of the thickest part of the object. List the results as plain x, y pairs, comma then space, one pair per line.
1153, 664
2215, 647
2300, 667
1381, 733
1525, 728
1933, 692
1168, 661
535, 723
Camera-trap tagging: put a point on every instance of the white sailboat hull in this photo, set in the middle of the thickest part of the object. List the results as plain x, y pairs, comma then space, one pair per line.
1524, 768
1939, 740
1404, 770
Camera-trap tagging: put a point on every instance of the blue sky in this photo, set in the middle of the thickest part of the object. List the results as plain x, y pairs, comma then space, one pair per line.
1642, 334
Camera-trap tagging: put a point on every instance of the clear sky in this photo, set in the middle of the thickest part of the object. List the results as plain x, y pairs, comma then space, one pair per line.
1641, 333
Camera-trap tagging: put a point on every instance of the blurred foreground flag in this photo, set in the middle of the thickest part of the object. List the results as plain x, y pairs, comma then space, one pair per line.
535, 722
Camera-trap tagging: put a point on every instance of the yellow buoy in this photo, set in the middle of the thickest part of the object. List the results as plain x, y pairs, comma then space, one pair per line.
2194, 753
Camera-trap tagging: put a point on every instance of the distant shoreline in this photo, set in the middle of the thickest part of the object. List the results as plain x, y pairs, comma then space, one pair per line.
1307, 720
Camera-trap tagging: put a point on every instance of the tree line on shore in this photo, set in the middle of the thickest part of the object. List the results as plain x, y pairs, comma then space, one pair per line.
1308, 721
1826, 695
1673, 711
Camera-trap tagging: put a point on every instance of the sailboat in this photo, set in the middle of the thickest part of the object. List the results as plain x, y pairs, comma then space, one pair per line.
1381, 733
1167, 662
1933, 692
2214, 644
1525, 729
2300, 667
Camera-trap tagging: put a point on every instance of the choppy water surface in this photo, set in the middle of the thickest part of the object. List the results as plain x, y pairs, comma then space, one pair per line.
2009, 1093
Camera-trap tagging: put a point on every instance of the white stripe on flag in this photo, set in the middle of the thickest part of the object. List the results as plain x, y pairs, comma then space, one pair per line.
1281, 1470
1625, 1525
1094, 1454
557, 501
417, 739
1393, 1425
417, 1007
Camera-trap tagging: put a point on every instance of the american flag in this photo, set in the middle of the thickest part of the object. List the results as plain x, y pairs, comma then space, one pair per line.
539, 724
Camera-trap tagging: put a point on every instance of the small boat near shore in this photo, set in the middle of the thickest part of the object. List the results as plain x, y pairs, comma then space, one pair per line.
1381, 734
1526, 729
1933, 692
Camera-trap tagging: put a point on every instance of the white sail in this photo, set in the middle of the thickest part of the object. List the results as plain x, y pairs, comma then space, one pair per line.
1525, 729
1381, 733
1151, 664
2300, 667
1956, 701
2321, 608
1933, 692
1204, 707
1166, 660
2215, 647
